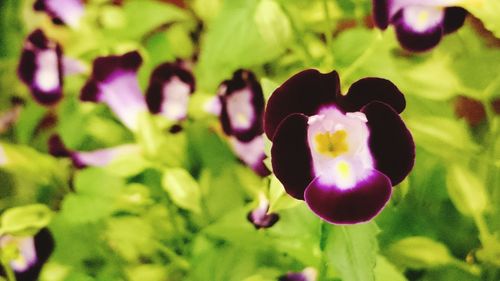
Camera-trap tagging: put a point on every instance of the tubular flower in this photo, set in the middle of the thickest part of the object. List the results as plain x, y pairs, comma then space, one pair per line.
32, 253
419, 24
96, 158
41, 68
169, 89
241, 115
114, 82
308, 274
67, 12
260, 218
340, 153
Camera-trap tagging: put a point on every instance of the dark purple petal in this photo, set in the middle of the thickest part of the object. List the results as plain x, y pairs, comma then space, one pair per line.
381, 13
169, 89
114, 82
304, 93
454, 18
391, 143
414, 39
242, 96
57, 148
371, 89
62, 11
42, 246
349, 206
260, 218
40, 68
291, 156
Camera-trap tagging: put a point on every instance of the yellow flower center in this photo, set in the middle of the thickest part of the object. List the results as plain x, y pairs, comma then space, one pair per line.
332, 144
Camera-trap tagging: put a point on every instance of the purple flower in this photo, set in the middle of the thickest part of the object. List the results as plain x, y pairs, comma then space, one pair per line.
242, 108
41, 68
308, 274
33, 253
96, 158
241, 116
114, 82
170, 87
340, 153
62, 11
260, 218
419, 24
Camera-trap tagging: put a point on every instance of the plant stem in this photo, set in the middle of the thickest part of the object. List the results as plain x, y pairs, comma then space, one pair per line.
323, 239
299, 36
362, 58
329, 29
8, 271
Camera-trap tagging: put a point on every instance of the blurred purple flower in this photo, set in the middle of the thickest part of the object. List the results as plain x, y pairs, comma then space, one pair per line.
114, 82
169, 90
419, 24
67, 12
33, 253
96, 158
308, 274
260, 218
340, 153
241, 117
41, 68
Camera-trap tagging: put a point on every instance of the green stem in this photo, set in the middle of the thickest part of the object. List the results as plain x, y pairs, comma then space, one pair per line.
484, 233
299, 36
174, 257
323, 239
329, 27
8, 271
362, 58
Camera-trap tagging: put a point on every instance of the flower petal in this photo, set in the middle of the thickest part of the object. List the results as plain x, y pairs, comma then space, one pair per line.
349, 206
391, 143
291, 156
252, 154
454, 18
381, 14
303, 93
40, 68
260, 218
35, 251
371, 89
62, 11
102, 157
242, 108
114, 82
169, 89
419, 28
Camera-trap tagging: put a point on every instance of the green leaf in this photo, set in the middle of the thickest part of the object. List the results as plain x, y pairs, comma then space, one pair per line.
384, 271
466, 190
131, 237
248, 33
487, 11
95, 198
25, 220
183, 189
419, 252
142, 16
442, 136
352, 250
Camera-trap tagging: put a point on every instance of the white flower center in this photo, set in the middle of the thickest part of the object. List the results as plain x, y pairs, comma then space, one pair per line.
422, 18
175, 99
240, 110
47, 76
339, 147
